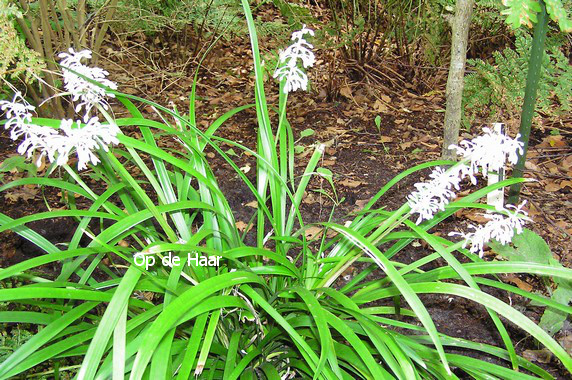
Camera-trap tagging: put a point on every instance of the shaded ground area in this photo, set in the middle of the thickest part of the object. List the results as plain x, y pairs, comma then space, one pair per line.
362, 158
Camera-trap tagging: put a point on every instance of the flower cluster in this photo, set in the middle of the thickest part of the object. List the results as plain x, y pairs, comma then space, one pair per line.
87, 93
489, 152
19, 115
295, 77
500, 227
84, 138
432, 197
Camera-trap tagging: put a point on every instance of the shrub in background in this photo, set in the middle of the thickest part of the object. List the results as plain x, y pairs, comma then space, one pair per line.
417, 32
183, 29
49, 27
274, 310
365, 29
17, 60
499, 85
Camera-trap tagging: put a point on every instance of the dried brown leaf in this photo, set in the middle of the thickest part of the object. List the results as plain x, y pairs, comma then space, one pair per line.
23, 194
351, 183
241, 226
552, 187
519, 283
346, 91
312, 232
541, 356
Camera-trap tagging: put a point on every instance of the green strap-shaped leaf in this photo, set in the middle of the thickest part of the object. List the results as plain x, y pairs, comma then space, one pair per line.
112, 314
44, 336
178, 307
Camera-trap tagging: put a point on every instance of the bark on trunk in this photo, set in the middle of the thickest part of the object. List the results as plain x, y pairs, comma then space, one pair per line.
460, 31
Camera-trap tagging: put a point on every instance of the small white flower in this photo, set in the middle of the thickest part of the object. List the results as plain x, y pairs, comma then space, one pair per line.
36, 138
518, 217
299, 50
88, 94
490, 151
74, 57
299, 35
425, 203
500, 227
18, 111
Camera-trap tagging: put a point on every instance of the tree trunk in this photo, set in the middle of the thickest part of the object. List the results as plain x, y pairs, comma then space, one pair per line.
532, 80
460, 30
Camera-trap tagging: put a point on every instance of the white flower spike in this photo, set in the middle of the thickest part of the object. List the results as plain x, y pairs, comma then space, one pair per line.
432, 197
88, 94
490, 151
295, 77
500, 228
49, 142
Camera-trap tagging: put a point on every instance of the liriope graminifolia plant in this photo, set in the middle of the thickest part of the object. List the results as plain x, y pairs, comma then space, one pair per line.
269, 310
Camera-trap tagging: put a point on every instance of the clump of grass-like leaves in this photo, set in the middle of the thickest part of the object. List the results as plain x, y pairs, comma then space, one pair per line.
269, 311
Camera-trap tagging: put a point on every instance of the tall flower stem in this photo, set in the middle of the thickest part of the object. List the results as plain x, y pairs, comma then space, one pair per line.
532, 80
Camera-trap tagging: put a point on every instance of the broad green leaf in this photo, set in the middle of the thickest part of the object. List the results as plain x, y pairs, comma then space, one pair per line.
552, 320
306, 133
377, 121
17, 162
528, 247
231, 152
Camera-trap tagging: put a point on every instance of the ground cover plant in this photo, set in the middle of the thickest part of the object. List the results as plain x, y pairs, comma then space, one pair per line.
271, 309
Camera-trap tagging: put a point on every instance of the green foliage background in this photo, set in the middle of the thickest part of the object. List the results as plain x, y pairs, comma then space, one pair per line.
16, 59
498, 84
